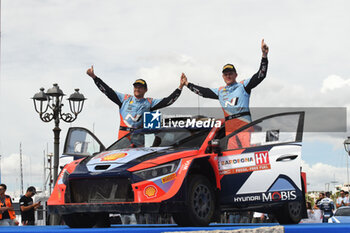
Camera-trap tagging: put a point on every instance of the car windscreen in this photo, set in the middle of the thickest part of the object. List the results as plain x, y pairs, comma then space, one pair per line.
162, 138
342, 212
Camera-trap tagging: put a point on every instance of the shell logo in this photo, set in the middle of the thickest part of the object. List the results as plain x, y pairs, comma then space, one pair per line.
113, 157
150, 191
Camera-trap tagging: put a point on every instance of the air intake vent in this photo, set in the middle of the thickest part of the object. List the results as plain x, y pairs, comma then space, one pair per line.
102, 167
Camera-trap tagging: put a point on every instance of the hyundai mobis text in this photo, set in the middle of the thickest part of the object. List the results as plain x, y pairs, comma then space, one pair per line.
193, 173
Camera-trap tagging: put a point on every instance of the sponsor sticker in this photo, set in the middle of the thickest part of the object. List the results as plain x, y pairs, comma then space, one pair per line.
150, 191
267, 197
279, 196
113, 157
248, 162
169, 178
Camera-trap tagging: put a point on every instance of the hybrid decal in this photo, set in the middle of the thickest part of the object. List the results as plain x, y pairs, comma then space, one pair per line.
248, 162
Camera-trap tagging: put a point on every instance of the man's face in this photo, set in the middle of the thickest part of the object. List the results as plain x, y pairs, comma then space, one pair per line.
229, 77
342, 194
2, 190
139, 91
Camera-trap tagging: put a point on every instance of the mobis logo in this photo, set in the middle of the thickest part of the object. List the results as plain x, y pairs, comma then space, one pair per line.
279, 196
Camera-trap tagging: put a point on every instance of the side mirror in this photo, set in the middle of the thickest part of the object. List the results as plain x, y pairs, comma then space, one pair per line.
214, 146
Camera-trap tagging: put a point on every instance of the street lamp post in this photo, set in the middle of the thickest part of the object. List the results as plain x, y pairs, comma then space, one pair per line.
49, 106
347, 149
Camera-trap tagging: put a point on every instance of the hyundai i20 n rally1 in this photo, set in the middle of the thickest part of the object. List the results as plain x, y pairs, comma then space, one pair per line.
193, 173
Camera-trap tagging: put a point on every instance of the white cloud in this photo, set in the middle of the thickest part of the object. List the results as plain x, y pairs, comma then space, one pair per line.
32, 171
333, 82
319, 175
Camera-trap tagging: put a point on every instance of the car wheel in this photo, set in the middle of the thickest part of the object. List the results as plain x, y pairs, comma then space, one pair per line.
200, 203
79, 220
291, 213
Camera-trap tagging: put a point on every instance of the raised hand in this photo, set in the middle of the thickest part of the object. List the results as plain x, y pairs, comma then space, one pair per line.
264, 48
90, 72
183, 80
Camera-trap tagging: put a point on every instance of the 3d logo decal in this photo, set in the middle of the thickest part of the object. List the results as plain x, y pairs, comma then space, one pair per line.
244, 163
150, 191
113, 157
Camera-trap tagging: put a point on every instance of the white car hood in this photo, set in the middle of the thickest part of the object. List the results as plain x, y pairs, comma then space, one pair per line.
116, 158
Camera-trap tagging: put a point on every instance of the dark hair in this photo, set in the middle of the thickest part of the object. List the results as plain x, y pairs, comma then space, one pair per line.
308, 205
31, 189
4, 185
328, 194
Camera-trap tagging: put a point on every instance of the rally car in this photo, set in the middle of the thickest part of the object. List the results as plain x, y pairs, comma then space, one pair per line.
194, 173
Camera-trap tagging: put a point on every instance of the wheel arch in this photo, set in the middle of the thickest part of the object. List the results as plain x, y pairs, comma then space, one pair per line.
202, 166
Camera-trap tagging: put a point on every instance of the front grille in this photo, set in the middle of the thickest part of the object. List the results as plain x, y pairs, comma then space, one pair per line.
99, 190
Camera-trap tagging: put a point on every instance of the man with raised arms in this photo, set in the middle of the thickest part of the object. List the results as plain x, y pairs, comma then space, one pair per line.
234, 97
132, 107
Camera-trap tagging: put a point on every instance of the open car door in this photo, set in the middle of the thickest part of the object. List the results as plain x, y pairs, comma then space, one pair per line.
261, 161
80, 142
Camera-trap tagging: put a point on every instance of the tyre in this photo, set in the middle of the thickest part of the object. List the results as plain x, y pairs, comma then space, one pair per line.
199, 203
291, 213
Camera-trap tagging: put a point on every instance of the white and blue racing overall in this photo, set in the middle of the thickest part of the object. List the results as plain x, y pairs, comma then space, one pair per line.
131, 109
234, 98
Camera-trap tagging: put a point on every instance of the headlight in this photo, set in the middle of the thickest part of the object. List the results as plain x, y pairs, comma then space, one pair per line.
160, 170
65, 177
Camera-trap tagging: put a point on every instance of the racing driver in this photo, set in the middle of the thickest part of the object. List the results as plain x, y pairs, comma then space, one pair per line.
234, 97
131, 108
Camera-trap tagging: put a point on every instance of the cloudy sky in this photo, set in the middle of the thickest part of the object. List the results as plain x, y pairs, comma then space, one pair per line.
46, 42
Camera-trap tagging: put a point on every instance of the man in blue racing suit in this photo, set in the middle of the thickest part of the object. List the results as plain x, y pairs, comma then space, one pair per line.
234, 97
327, 207
131, 108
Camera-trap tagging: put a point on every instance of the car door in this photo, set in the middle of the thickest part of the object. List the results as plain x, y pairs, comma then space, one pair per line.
80, 142
260, 163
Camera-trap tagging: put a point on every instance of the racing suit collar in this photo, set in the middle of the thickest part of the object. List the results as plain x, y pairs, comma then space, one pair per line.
231, 85
139, 99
